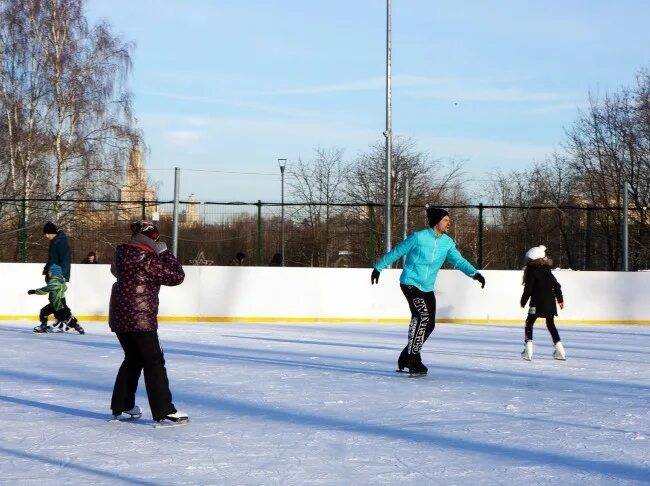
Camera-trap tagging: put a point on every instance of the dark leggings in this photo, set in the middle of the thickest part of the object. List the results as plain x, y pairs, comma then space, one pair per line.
142, 352
550, 324
62, 314
423, 317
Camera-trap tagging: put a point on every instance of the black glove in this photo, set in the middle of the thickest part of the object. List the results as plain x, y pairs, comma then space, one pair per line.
374, 278
480, 278
31, 292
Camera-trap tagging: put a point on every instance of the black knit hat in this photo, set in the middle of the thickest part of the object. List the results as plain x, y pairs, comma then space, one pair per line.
50, 228
434, 215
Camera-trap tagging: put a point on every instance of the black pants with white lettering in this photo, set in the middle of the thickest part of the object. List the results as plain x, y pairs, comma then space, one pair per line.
423, 317
550, 325
142, 352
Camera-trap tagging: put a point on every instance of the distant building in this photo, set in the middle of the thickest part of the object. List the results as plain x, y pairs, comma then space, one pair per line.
191, 213
137, 190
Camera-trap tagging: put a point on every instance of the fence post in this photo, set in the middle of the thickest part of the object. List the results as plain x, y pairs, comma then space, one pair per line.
480, 236
22, 235
258, 240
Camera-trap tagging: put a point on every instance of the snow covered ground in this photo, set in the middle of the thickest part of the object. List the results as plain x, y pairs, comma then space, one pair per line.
321, 404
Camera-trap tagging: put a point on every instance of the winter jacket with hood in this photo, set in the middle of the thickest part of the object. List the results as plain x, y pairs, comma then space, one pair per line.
55, 288
59, 253
426, 252
140, 271
542, 288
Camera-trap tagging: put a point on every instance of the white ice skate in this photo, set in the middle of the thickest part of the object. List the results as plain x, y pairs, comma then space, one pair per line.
559, 352
134, 413
527, 353
173, 420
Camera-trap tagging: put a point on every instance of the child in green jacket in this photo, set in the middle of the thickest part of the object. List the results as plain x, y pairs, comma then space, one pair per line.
55, 290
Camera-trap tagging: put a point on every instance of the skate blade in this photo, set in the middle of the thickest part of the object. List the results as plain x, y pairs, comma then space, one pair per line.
411, 375
131, 418
168, 424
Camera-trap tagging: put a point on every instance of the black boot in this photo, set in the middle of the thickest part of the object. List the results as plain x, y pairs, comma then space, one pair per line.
415, 365
402, 361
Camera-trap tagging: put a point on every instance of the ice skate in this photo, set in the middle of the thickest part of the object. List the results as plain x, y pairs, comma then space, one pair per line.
527, 353
173, 420
402, 361
58, 327
72, 323
42, 328
176, 417
416, 367
559, 352
134, 413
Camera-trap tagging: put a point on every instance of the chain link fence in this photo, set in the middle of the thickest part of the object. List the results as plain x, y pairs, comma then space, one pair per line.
325, 235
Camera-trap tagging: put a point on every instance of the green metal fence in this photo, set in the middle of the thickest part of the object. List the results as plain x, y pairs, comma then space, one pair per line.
319, 234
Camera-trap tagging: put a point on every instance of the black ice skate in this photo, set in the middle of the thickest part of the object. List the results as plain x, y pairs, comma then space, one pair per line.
72, 323
416, 367
402, 361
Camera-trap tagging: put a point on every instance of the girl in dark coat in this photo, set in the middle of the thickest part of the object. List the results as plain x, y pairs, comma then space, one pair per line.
543, 289
141, 266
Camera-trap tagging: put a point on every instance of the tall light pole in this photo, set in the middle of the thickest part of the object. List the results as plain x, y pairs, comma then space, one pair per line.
282, 163
388, 133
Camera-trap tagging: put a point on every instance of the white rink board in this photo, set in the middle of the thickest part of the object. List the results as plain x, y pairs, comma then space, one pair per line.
329, 294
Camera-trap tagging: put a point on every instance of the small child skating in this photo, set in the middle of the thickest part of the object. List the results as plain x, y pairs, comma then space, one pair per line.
543, 290
55, 290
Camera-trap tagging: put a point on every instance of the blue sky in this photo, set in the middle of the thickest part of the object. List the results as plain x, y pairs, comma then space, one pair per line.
232, 85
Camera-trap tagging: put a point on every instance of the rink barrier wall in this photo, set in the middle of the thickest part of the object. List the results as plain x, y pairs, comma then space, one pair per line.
334, 295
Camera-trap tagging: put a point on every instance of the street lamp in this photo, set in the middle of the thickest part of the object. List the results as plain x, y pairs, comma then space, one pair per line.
282, 163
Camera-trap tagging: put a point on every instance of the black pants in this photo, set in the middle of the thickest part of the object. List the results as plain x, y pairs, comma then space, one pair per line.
423, 317
550, 325
62, 314
142, 352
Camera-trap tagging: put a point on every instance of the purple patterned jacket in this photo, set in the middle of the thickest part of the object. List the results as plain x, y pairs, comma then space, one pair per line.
134, 298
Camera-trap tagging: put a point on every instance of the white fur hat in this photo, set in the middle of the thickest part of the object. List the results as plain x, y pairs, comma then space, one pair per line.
536, 252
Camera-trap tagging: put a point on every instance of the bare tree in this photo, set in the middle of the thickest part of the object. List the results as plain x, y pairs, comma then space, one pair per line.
319, 183
430, 181
606, 147
67, 123
23, 93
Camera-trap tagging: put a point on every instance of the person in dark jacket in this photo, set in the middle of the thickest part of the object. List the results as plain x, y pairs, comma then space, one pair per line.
141, 266
238, 259
58, 251
543, 289
90, 258
426, 252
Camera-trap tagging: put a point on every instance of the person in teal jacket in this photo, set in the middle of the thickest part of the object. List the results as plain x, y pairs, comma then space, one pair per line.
426, 251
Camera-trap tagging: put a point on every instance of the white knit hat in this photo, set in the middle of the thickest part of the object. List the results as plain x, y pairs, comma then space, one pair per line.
536, 252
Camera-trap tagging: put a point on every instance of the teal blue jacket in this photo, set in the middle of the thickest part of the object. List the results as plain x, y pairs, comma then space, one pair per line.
425, 252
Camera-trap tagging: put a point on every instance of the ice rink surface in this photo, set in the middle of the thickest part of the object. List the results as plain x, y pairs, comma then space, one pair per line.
274, 404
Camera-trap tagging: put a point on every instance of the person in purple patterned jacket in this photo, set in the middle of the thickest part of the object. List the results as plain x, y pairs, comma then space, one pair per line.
141, 266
